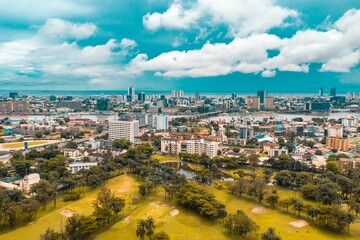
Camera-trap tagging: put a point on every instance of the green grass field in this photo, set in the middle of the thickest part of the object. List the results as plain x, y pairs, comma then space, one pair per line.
165, 158
21, 144
185, 225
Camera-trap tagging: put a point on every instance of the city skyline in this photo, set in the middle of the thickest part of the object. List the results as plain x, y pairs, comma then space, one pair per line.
296, 47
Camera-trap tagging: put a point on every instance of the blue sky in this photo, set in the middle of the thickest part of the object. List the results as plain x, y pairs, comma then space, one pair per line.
198, 45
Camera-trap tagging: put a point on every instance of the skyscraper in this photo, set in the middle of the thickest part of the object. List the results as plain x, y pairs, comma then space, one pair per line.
321, 92
253, 102
141, 96
197, 96
131, 91
333, 92
262, 95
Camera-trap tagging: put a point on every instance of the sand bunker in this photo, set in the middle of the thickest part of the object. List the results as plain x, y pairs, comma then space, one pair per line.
258, 210
128, 218
173, 212
299, 223
67, 213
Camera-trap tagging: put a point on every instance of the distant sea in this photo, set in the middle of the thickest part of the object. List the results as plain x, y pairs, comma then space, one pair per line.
98, 93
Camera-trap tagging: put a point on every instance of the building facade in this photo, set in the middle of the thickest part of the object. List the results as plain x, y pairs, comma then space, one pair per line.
128, 130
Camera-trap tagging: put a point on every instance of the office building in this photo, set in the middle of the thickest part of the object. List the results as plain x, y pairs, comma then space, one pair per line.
246, 132
141, 96
333, 92
269, 103
262, 95
131, 91
128, 130
170, 145
160, 122
253, 102
233, 96
197, 96
13, 95
317, 106
321, 92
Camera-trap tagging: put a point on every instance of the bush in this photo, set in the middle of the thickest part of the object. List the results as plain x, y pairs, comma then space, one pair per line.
71, 196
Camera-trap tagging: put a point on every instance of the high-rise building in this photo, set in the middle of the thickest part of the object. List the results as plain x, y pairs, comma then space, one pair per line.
202, 146
233, 96
52, 98
246, 132
269, 103
124, 129
321, 92
131, 91
13, 95
141, 96
197, 96
177, 94
335, 131
333, 92
161, 122
262, 95
340, 144
253, 102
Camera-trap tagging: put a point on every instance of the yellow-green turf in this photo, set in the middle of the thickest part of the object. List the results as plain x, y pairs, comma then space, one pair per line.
165, 158
186, 225
21, 144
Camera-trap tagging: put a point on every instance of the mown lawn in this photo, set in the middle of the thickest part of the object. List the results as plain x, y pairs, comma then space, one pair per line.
165, 158
185, 225
124, 186
21, 144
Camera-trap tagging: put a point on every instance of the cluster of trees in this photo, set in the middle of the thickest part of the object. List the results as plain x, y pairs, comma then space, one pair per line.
80, 227
14, 207
239, 224
201, 201
146, 228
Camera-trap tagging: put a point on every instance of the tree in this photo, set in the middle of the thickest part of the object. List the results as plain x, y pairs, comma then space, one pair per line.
240, 224
79, 227
270, 234
117, 204
50, 234
71, 144
141, 229
160, 236
150, 227
285, 203
273, 200
328, 193
258, 190
102, 205
240, 187
121, 143
44, 191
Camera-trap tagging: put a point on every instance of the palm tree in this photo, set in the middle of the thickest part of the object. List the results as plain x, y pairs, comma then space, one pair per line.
150, 226
270, 234
141, 229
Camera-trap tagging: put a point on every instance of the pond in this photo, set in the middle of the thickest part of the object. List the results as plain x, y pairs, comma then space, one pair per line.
187, 174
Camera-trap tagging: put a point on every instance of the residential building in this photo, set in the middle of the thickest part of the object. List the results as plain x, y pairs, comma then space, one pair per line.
340, 144
277, 152
349, 121
335, 131
75, 167
124, 129
269, 103
70, 152
170, 145
202, 146
160, 122
177, 94
253, 102
351, 162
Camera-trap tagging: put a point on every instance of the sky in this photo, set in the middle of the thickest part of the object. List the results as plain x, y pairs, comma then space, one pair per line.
283, 46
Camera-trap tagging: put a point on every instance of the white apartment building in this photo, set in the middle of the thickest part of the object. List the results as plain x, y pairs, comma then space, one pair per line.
75, 167
335, 131
349, 121
124, 129
170, 145
202, 146
160, 122
277, 152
